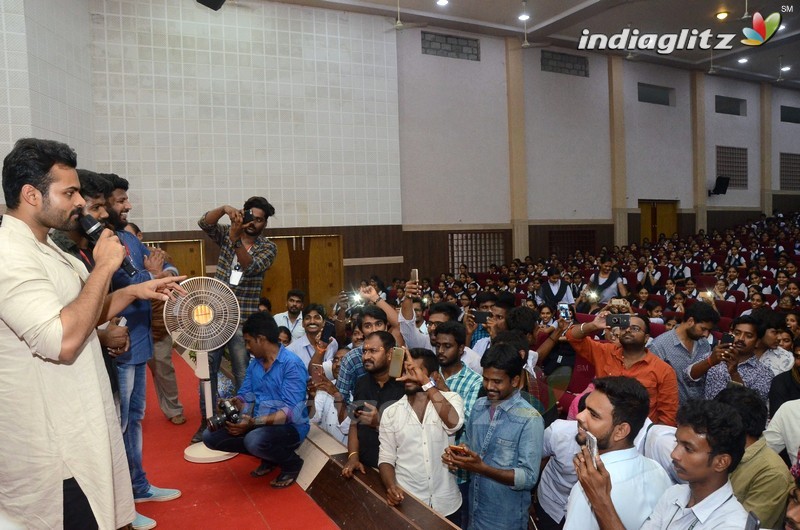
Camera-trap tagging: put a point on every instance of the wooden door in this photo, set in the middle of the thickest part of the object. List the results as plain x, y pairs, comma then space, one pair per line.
312, 263
658, 217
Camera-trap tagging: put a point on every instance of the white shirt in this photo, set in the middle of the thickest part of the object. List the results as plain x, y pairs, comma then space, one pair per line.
783, 431
558, 476
69, 425
636, 485
303, 349
482, 345
778, 360
412, 335
327, 417
473, 361
718, 511
415, 451
566, 299
282, 319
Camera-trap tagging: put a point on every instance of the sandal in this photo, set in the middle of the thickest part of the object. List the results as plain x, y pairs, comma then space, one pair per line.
265, 468
285, 479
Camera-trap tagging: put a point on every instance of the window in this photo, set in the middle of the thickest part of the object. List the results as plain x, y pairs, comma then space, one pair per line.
732, 106
790, 114
790, 171
732, 163
657, 95
477, 250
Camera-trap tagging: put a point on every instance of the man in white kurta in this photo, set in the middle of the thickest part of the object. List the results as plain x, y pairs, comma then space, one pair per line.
59, 419
60, 433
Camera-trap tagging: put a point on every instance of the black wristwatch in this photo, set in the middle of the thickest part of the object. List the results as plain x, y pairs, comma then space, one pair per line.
238, 244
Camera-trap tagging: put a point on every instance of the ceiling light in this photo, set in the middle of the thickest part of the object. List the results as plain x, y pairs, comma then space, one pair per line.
524, 15
785, 68
722, 15
743, 60
782, 27
441, 2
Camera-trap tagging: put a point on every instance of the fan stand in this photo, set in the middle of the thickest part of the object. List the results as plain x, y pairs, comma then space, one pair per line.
198, 453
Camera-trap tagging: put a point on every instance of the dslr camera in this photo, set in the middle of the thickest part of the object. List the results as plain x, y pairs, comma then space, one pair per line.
227, 413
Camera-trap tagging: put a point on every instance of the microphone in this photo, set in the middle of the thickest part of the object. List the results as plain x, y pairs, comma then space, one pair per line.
93, 229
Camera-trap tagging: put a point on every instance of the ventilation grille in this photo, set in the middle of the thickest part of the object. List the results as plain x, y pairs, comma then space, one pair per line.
564, 63
477, 250
732, 163
451, 46
790, 171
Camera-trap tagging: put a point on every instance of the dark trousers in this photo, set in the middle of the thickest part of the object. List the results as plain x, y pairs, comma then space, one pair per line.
274, 444
77, 512
545, 522
464, 510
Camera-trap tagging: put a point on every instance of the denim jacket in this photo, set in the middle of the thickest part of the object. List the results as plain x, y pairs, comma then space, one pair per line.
513, 439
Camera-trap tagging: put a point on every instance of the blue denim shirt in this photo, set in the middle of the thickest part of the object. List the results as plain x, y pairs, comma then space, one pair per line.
513, 439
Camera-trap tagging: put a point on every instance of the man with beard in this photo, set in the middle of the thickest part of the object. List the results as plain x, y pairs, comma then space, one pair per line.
710, 445
132, 364
63, 464
372, 392
244, 257
786, 386
501, 447
292, 318
740, 365
449, 342
630, 358
414, 432
95, 191
686, 346
615, 411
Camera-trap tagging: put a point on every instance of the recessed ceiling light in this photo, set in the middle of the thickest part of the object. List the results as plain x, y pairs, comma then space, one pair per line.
743, 60
722, 15
524, 17
441, 2
785, 68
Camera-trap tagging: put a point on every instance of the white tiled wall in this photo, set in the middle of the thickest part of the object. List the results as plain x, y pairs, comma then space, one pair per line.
59, 39
15, 113
200, 108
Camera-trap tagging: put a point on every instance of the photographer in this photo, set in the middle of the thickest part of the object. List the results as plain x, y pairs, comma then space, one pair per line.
273, 420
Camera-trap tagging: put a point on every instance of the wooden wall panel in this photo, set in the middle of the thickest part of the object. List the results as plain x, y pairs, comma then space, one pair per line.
785, 202
686, 224
722, 219
539, 237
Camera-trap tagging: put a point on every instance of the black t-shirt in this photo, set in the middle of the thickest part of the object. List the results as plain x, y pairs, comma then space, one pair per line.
367, 390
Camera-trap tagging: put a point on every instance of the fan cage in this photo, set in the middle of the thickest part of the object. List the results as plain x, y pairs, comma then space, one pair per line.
202, 293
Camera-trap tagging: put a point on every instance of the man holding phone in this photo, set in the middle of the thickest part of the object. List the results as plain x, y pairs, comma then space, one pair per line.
631, 358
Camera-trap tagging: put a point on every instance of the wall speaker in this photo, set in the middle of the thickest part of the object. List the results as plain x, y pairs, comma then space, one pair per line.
212, 4
720, 186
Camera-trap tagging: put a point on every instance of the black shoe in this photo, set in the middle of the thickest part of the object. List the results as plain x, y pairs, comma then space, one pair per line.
198, 436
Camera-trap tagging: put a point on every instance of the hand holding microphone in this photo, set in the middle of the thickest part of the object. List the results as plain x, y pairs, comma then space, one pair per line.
94, 231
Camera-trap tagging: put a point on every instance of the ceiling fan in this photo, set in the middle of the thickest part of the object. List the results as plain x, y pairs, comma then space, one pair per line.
399, 25
527, 44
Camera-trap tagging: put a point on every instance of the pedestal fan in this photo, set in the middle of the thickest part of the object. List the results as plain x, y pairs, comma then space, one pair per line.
202, 320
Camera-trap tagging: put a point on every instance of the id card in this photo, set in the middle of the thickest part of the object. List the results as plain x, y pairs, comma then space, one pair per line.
236, 277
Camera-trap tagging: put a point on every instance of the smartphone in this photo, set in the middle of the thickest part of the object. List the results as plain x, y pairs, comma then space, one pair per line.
617, 301
396, 364
753, 522
482, 316
247, 216
618, 321
591, 444
727, 338
317, 373
327, 331
563, 311
415, 275
457, 449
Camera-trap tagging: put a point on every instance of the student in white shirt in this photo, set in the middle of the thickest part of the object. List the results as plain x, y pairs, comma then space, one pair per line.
414, 433
615, 412
292, 318
313, 324
710, 445
329, 410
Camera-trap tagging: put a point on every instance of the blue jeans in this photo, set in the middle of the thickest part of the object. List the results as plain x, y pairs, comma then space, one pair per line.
132, 399
239, 360
273, 444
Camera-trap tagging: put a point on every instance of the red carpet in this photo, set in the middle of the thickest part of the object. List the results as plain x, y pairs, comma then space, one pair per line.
215, 496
